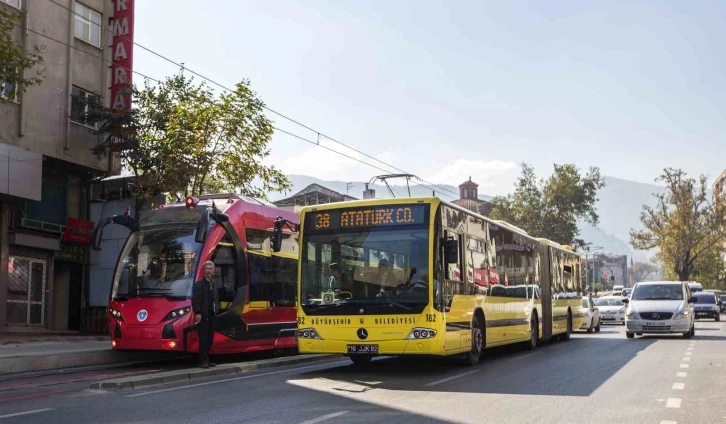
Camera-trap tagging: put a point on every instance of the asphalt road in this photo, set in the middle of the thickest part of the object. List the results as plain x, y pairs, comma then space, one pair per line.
593, 378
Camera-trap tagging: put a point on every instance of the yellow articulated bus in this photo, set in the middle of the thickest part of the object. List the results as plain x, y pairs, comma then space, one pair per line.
420, 276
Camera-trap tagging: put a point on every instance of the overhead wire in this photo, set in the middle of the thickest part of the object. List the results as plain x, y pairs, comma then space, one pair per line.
318, 133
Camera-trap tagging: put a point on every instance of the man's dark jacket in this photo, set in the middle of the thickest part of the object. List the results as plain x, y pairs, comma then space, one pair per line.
203, 298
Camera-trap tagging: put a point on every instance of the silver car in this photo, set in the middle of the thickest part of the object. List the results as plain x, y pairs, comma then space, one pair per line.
660, 307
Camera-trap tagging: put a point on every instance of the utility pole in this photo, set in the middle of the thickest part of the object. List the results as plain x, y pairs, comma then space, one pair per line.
348, 186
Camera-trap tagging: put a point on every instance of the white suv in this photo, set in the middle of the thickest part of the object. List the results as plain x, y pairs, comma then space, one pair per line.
660, 307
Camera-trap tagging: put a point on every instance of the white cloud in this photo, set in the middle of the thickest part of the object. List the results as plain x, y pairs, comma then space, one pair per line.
494, 177
319, 162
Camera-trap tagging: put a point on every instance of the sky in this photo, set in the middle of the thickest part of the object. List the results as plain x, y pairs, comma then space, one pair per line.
451, 89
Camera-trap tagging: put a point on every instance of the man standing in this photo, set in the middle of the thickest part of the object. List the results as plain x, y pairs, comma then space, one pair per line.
205, 303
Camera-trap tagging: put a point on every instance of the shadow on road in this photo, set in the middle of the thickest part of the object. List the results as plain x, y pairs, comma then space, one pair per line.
573, 368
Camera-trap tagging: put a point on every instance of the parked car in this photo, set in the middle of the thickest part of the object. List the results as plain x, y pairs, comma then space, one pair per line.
707, 306
591, 314
660, 307
612, 309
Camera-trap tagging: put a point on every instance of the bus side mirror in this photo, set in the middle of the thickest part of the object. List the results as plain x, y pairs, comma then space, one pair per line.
451, 251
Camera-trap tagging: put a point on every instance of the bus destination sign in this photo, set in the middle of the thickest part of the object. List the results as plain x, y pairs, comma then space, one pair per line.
378, 216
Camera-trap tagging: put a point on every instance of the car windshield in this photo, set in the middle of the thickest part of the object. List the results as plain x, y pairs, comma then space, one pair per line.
157, 263
658, 292
384, 268
609, 302
723, 298
705, 298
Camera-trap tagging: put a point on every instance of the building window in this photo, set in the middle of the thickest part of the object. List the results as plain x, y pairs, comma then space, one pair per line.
466, 194
13, 3
88, 24
8, 92
80, 101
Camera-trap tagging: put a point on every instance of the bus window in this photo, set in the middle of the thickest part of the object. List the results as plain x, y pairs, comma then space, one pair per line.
477, 261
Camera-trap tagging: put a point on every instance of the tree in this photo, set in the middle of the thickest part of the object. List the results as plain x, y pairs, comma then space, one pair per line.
641, 271
14, 61
684, 225
183, 140
550, 208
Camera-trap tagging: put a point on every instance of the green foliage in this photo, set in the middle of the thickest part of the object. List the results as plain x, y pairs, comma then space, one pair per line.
685, 227
13, 60
183, 140
642, 271
550, 208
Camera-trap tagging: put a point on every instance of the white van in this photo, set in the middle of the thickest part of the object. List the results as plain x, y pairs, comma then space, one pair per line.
618, 290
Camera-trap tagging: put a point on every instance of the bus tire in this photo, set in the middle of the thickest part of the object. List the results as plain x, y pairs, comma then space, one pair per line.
533, 332
477, 343
361, 360
566, 334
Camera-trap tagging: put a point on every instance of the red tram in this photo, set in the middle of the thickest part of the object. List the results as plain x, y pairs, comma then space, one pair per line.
150, 301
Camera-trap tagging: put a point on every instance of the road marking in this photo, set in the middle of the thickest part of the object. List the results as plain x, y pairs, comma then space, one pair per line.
453, 377
324, 417
678, 386
236, 378
687, 359
18, 414
689, 349
689, 353
673, 403
684, 365
668, 422
681, 374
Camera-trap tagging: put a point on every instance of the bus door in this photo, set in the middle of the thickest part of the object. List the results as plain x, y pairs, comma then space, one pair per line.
545, 279
457, 304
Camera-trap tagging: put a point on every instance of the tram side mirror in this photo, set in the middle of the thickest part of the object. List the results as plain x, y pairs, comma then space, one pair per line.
203, 227
451, 251
276, 239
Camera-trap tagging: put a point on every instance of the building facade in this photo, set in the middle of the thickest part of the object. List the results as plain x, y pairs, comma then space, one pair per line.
314, 194
469, 199
608, 270
46, 164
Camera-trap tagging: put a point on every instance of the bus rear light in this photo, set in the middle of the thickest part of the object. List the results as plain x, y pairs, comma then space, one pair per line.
113, 343
421, 333
308, 333
169, 344
192, 202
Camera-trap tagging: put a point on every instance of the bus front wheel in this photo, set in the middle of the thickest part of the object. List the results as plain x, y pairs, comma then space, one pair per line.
477, 343
361, 360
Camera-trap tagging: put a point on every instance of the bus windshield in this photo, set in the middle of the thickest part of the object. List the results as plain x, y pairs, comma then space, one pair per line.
371, 271
157, 262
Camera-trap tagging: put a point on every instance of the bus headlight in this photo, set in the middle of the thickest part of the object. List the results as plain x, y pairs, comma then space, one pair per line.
308, 333
421, 333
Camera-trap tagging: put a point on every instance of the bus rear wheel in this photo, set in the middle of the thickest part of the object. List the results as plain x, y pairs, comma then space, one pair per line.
477, 343
361, 360
566, 334
533, 333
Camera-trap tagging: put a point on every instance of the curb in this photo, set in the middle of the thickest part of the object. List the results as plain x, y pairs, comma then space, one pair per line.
176, 376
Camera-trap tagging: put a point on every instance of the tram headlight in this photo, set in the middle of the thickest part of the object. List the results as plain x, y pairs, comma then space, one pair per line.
116, 314
177, 313
421, 333
308, 333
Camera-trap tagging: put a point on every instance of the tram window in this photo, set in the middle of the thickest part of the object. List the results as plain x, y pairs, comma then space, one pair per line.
259, 284
256, 239
283, 281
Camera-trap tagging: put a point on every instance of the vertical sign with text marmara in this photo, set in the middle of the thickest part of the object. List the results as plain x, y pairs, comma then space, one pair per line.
122, 57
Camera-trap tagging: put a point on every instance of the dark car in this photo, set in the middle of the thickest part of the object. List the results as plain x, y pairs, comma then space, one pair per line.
723, 302
706, 306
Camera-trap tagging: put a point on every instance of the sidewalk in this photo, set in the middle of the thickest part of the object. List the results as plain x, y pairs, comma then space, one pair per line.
41, 352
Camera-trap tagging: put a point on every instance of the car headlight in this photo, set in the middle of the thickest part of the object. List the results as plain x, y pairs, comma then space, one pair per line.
308, 333
681, 315
621, 310
714, 308
421, 333
633, 314
586, 313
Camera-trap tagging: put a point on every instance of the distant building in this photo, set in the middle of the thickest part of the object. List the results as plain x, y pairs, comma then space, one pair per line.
469, 199
314, 194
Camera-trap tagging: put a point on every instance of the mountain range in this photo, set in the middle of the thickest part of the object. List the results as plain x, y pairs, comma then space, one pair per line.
619, 205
